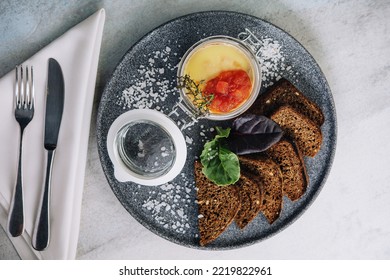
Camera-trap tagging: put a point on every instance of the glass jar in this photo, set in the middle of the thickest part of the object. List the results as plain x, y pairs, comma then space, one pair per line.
208, 58
146, 147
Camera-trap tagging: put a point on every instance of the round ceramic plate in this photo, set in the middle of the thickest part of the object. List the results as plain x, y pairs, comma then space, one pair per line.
146, 78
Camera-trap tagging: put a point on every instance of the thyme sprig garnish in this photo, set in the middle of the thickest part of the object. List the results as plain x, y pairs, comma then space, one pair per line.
192, 89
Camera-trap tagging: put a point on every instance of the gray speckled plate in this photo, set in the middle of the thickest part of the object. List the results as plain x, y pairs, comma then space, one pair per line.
146, 78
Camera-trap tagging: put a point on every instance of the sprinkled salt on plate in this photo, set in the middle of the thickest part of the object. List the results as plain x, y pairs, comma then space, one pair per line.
146, 78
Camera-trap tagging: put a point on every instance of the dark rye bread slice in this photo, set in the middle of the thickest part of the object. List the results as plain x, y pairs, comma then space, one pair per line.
250, 197
295, 179
217, 205
306, 134
271, 181
285, 93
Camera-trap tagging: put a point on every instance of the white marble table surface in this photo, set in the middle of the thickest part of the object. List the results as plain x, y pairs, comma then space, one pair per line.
350, 40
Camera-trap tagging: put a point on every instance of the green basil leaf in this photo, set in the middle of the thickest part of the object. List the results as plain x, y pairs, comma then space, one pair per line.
220, 165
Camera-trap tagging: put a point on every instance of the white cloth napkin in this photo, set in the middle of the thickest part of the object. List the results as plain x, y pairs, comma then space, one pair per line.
77, 51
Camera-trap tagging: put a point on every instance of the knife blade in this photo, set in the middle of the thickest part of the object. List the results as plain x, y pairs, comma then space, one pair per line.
55, 93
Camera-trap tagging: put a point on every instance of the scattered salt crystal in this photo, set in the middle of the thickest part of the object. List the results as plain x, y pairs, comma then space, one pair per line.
189, 140
180, 212
166, 187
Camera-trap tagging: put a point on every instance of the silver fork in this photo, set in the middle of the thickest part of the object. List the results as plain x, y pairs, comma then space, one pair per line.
24, 112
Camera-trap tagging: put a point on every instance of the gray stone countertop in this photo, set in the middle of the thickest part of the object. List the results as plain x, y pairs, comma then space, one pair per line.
350, 40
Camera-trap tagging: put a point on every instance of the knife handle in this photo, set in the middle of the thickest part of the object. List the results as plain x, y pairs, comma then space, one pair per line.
41, 233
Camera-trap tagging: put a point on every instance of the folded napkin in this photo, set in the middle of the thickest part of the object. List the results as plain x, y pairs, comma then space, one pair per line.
77, 51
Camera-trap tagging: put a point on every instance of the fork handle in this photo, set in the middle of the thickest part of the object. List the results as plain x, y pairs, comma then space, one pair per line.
41, 233
16, 212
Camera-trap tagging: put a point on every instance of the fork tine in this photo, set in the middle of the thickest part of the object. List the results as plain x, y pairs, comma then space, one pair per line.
28, 90
32, 101
22, 88
17, 87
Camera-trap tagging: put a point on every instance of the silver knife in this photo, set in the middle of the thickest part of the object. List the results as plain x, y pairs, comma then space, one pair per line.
54, 108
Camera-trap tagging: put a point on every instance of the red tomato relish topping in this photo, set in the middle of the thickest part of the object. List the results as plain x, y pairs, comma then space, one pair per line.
230, 89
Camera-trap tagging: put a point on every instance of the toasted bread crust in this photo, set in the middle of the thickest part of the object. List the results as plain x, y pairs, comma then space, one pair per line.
250, 198
295, 179
271, 179
217, 206
285, 93
306, 134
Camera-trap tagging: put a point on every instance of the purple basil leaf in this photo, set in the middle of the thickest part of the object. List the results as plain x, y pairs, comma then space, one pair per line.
249, 144
253, 134
254, 124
